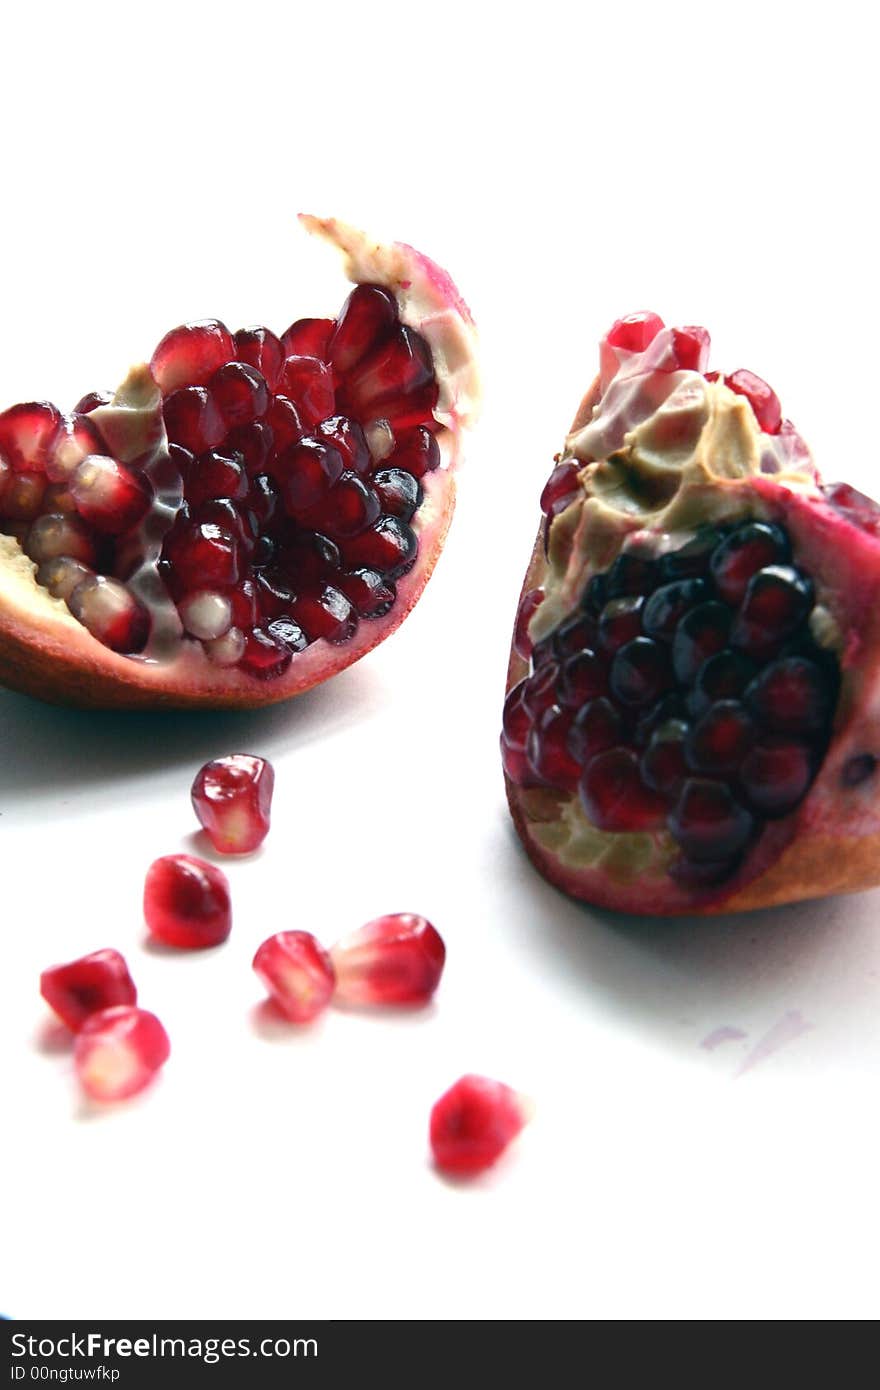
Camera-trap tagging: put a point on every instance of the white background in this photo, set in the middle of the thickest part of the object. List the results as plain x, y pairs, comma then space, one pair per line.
568, 163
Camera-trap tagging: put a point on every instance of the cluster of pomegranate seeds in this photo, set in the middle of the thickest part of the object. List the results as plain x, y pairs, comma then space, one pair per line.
232, 798
473, 1123
685, 692
393, 960
119, 1051
186, 902
83, 987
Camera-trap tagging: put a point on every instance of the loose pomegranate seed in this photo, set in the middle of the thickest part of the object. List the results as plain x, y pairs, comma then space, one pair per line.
368, 319
396, 959
54, 535
308, 338
743, 553
309, 384
119, 1051
764, 402
473, 1123
708, 823
193, 420
232, 799
297, 973
547, 749
416, 451
111, 614
261, 350
186, 902
27, 434
614, 796
190, 355
85, 986
108, 495
720, 740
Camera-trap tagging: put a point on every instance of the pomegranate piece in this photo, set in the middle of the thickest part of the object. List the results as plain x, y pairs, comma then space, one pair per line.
118, 1052
722, 608
298, 974
473, 1123
234, 458
85, 986
232, 799
186, 902
396, 959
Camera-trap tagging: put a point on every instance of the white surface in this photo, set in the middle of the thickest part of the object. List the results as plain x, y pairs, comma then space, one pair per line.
567, 165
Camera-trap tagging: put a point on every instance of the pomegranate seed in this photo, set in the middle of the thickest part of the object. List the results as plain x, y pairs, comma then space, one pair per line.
348, 438
668, 605
620, 621
85, 986
254, 442
205, 615
561, 489
111, 614
326, 613
240, 393
723, 677
614, 796
232, 799
371, 595
265, 656
204, 555
743, 553
547, 749
777, 600
190, 355
582, 677
347, 510
631, 574
274, 593
663, 767
298, 974
307, 555
700, 634
243, 600
708, 823
308, 338
516, 720
719, 741
77, 438
763, 401
193, 420
635, 332
399, 493
691, 348
368, 319
640, 672
776, 775
119, 1051
309, 384
110, 496
528, 607
186, 902
288, 634
389, 547
597, 726
262, 497
396, 959
539, 690
261, 350
790, 696
91, 401
414, 408
306, 472
23, 496
27, 434
227, 650
400, 367
671, 706
863, 511
517, 766
575, 635
54, 535
473, 1123
216, 475
416, 451
62, 576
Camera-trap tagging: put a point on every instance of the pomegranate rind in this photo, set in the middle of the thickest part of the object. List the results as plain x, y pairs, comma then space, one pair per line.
831, 843
46, 653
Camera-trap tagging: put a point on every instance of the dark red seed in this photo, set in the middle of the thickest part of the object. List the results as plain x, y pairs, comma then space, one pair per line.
193, 420
309, 384
620, 621
516, 720
275, 594
323, 613
631, 573
701, 633
640, 672
575, 635
663, 765
691, 347
371, 595
399, 493
204, 556
776, 775
264, 656
284, 421
560, 489
245, 604
85, 986
399, 367
613, 794
348, 437
254, 443
186, 902
671, 706
240, 394
92, 400
708, 823
720, 739
347, 509
389, 547
764, 401
308, 338
597, 726
791, 696
368, 319
262, 350
306, 556
528, 607
218, 473
416, 451
222, 512
748, 549
777, 600
190, 355
27, 434
306, 472
668, 605
595, 596
581, 678
183, 460
691, 560
404, 412
262, 498
547, 749
540, 690
723, 677
111, 614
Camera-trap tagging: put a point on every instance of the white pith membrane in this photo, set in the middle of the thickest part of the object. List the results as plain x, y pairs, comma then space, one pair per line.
174, 662
662, 454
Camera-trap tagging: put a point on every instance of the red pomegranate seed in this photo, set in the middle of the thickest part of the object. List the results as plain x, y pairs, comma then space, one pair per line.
631, 573
240, 393
539, 691
308, 338
54, 535
777, 600
400, 367
110, 496
325, 613
23, 496
635, 332
413, 408
309, 384
620, 621
91, 401
416, 451
275, 595
307, 556
691, 348
262, 498
204, 555
547, 749
614, 796
776, 775
668, 605
708, 823
368, 319
582, 677
743, 553
516, 722
306, 471
790, 696
85, 986
389, 547
262, 350
27, 434
77, 437
640, 672
720, 739
348, 437
190, 355
186, 902
265, 656
596, 726
244, 603
193, 420
371, 595
232, 799
764, 401
663, 767
255, 442
473, 1123
347, 509
575, 635
528, 607
396, 959
560, 489
119, 1051
517, 766
216, 474
701, 633
111, 614
297, 973
399, 493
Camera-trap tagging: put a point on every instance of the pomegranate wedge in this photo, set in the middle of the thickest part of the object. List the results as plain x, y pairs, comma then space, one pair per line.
248, 514
692, 721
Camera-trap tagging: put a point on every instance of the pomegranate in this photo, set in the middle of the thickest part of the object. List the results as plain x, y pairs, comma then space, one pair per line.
473, 1123
249, 514
692, 721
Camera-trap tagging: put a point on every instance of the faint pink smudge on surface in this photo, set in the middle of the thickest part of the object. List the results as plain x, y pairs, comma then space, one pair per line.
722, 1035
789, 1027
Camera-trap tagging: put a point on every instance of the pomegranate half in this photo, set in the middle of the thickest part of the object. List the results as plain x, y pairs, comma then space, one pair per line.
692, 721
248, 514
